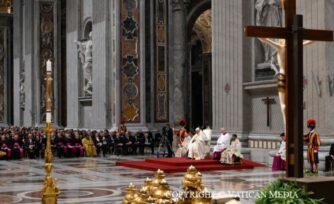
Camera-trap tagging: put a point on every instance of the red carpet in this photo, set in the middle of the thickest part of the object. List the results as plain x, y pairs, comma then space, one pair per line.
172, 165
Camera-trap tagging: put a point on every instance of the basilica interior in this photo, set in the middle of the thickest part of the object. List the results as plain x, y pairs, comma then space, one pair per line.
86, 67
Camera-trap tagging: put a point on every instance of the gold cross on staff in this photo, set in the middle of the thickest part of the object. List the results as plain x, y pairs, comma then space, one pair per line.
290, 59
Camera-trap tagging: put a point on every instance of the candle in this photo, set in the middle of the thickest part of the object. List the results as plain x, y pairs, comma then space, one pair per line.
48, 117
48, 66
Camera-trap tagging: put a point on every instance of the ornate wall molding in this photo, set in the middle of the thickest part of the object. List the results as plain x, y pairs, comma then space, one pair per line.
46, 47
161, 59
130, 62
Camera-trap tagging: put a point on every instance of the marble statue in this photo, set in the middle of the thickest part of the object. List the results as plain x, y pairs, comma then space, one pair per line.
269, 13
280, 47
85, 49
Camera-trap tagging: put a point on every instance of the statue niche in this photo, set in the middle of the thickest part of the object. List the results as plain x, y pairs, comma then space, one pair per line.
85, 52
268, 13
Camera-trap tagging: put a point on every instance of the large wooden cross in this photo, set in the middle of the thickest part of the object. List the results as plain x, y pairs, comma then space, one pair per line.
294, 34
268, 101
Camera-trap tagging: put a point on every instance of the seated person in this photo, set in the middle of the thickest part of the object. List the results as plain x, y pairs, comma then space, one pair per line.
149, 141
6, 151
60, 145
105, 142
40, 144
120, 141
141, 141
79, 149
182, 151
232, 154
196, 148
223, 143
279, 158
30, 146
69, 149
132, 144
16, 147
329, 160
88, 145
97, 138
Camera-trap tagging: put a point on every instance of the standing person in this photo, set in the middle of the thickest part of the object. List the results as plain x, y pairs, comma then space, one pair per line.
329, 160
196, 148
223, 143
313, 139
168, 132
280, 157
182, 151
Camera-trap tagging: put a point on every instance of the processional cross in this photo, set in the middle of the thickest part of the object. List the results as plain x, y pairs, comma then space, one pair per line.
294, 34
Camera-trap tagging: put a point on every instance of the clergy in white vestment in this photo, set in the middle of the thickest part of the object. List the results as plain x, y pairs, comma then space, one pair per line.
280, 157
182, 151
207, 133
196, 148
233, 153
223, 143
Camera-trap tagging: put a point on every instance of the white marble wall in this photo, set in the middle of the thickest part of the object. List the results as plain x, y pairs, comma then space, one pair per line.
318, 63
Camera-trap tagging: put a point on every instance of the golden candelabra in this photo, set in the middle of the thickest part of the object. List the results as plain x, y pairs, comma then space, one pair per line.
49, 191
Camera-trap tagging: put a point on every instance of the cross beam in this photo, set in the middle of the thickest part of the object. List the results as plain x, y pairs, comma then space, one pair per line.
294, 34
278, 32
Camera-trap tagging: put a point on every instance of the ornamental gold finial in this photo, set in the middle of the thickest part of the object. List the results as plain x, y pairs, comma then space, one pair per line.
130, 195
194, 191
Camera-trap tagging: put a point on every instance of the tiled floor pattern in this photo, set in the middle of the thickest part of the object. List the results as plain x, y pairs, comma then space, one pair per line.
98, 180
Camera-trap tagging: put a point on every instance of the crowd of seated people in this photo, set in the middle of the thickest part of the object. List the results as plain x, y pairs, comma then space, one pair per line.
17, 143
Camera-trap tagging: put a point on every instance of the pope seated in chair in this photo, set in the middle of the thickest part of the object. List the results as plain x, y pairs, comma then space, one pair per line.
232, 154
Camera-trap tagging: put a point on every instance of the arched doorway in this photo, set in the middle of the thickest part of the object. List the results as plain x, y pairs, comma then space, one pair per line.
200, 48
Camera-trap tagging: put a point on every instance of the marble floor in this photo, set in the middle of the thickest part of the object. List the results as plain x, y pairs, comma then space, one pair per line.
98, 180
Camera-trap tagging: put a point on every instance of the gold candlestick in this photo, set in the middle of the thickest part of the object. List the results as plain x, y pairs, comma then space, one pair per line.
49, 191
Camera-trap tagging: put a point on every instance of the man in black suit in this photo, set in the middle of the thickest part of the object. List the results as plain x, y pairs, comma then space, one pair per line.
330, 158
168, 132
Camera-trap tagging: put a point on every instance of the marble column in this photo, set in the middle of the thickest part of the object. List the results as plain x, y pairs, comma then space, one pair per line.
179, 60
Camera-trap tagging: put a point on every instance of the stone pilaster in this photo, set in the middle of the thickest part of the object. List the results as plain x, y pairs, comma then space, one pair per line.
179, 60
18, 69
230, 64
101, 110
73, 29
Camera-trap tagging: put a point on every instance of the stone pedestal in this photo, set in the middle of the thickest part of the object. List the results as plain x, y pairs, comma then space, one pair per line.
322, 187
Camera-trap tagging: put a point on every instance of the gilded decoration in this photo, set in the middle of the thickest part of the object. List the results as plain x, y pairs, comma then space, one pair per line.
161, 69
6, 6
130, 63
130, 112
203, 29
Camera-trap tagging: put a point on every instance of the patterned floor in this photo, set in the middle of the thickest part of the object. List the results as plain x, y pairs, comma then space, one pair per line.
98, 180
